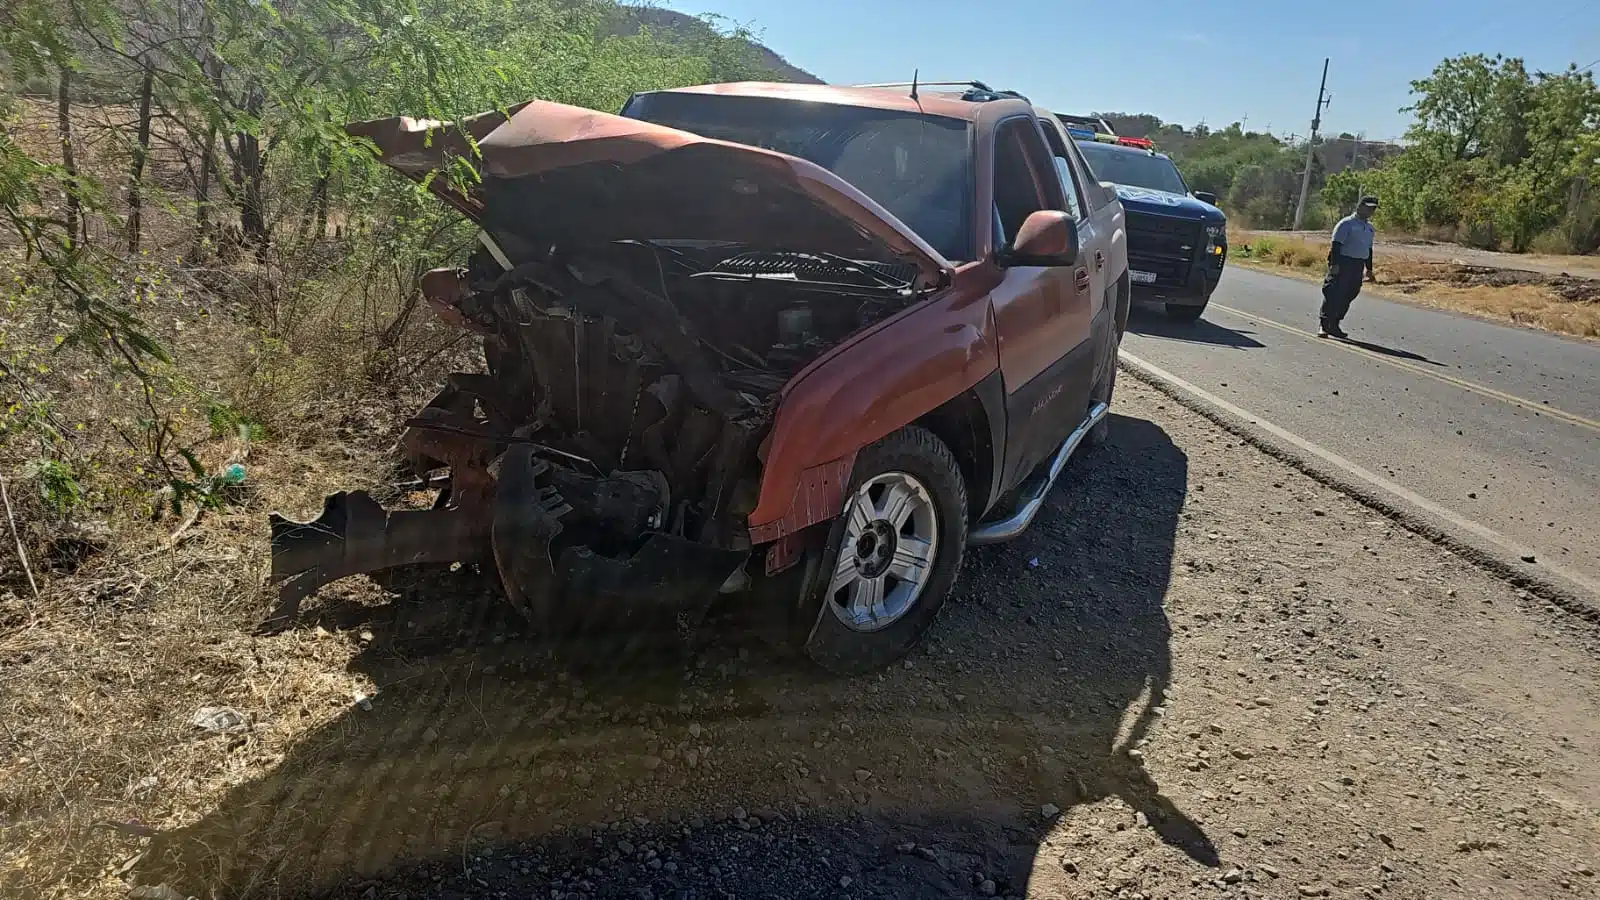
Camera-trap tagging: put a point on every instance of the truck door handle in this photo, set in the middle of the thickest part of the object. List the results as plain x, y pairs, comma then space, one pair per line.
1081, 277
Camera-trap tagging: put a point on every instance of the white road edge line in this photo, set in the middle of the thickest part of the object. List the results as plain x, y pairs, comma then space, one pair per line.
1372, 478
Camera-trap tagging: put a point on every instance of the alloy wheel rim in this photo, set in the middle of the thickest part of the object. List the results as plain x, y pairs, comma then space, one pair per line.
891, 538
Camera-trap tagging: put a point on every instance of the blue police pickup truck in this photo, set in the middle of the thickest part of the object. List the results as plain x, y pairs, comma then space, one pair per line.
1177, 238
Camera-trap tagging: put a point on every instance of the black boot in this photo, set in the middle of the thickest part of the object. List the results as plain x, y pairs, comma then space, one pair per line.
1331, 329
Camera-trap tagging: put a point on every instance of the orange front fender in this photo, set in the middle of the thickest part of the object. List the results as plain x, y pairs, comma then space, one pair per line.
882, 380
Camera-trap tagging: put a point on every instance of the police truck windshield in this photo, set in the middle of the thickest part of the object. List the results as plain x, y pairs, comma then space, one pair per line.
1134, 168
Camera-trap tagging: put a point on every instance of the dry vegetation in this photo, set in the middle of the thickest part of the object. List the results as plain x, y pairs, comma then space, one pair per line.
122, 616
1565, 304
263, 318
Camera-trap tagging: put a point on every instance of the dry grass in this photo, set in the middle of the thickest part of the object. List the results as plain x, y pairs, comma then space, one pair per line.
1563, 304
103, 674
143, 616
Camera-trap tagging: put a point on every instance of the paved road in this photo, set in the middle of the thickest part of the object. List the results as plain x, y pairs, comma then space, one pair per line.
1500, 425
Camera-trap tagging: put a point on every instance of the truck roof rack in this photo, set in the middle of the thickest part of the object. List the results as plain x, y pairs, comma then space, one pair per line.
977, 91
1092, 124
919, 83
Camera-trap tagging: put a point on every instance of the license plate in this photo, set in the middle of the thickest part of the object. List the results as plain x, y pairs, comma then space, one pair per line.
1141, 277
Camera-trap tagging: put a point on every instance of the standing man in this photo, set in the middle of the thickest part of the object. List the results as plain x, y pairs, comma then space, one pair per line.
1350, 255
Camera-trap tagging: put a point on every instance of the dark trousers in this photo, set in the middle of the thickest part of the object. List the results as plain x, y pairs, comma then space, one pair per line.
1340, 287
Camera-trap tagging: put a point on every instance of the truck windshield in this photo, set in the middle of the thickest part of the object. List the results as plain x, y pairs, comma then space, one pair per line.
1135, 168
915, 166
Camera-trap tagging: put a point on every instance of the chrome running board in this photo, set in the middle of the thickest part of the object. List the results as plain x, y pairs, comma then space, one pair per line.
1018, 522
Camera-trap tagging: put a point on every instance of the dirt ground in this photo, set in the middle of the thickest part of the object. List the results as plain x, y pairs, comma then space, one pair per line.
1200, 674
1437, 251
1559, 294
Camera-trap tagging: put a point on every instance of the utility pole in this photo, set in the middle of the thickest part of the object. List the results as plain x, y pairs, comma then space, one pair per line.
1311, 145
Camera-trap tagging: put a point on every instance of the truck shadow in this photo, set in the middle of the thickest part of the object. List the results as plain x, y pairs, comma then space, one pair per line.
1151, 323
479, 767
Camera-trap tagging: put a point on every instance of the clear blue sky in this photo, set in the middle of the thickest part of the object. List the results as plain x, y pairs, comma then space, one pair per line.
1183, 60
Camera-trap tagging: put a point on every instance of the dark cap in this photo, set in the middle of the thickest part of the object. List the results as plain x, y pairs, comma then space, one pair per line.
1369, 200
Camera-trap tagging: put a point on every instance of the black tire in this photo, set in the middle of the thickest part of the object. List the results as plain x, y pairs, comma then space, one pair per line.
1178, 313
1124, 303
1105, 386
821, 634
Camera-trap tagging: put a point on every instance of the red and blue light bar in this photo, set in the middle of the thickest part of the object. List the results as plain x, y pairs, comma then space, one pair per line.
1141, 143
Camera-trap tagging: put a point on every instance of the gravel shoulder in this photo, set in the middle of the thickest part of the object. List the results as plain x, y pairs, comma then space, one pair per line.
1200, 674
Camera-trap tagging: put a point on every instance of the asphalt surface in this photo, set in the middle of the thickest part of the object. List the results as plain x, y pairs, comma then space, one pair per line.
1499, 425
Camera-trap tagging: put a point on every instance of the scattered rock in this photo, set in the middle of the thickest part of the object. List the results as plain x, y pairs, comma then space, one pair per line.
155, 892
220, 720
987, 887
1050, 811
1314, 890
1242, 753
1232, 876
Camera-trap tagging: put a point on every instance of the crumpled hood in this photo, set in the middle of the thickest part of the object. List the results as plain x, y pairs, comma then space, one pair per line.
1168, 204
553, 173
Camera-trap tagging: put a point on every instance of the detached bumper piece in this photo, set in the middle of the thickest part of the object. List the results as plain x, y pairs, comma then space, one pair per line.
354, 535
596, 577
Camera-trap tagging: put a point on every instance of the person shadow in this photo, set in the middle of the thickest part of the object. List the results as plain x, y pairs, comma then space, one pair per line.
482, 765
1389, 351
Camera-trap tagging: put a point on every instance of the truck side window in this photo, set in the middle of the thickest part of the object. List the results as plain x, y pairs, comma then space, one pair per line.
1088, 172
1069, 177
1023, 174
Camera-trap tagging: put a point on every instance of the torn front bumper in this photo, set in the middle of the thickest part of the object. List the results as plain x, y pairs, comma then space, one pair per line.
544, 544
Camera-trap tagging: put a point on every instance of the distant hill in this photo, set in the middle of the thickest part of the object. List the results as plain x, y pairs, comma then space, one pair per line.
670, 24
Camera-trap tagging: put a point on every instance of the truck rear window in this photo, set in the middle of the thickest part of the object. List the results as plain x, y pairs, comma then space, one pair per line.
918, 167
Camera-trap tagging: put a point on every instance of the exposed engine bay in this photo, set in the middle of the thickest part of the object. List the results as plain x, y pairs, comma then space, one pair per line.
606, 460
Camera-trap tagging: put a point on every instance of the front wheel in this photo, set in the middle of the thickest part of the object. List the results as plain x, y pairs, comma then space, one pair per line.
891, 558
1180, 313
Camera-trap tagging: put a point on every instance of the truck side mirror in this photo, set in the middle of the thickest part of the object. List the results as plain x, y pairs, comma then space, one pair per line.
1206, 197
1048, 237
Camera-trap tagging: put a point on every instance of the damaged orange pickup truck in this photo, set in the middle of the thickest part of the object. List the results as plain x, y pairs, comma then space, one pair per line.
796, 346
